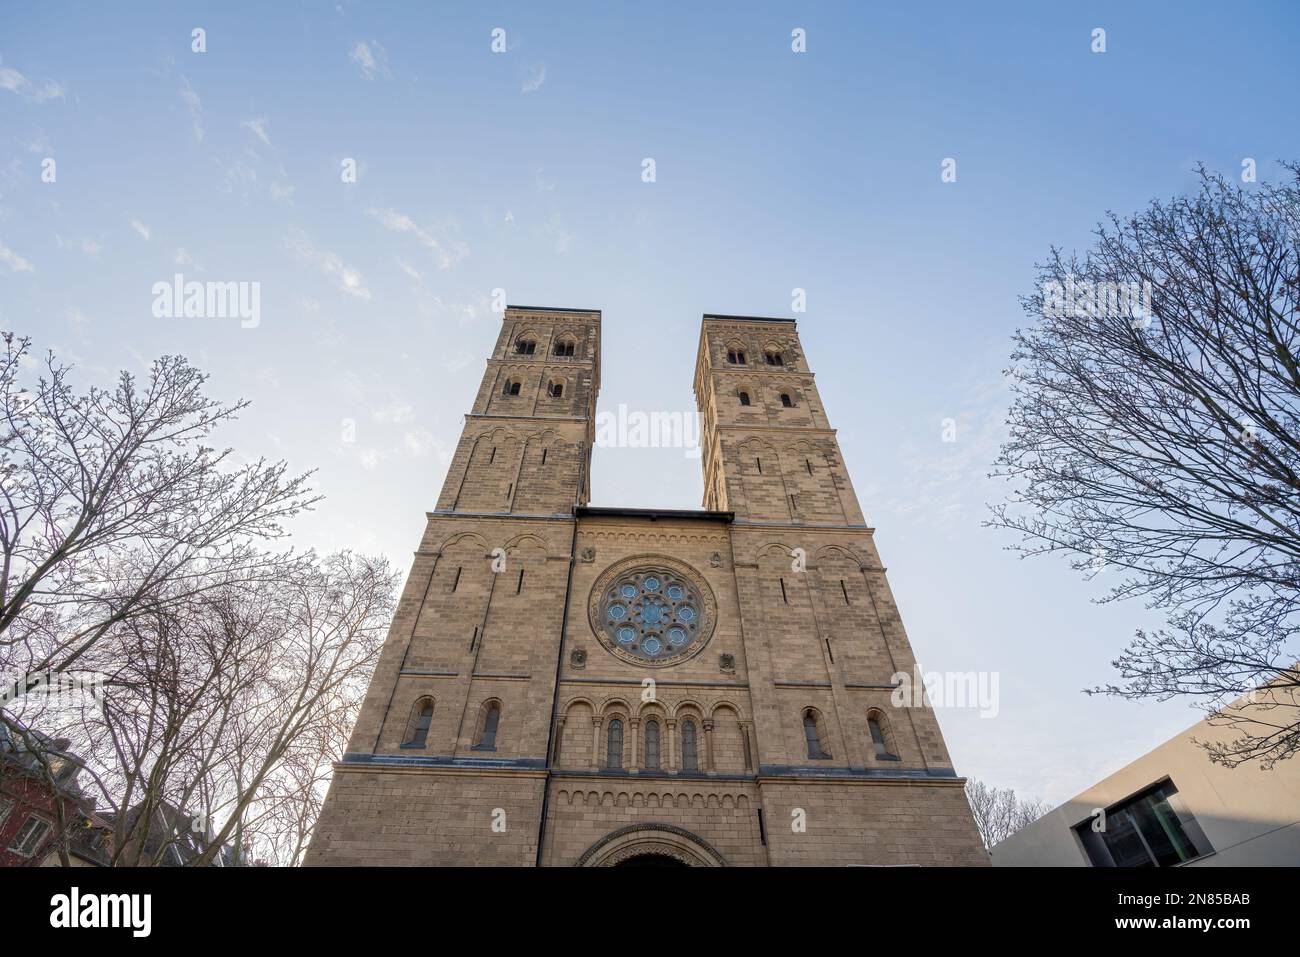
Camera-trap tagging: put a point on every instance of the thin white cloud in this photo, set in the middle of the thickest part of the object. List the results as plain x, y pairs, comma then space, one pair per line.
88, 246
346, 279
182, 257
458, 361
394, 410
145, 232
447, 252
561, 239
371, 59
534, 82
258, 128
195, 106
14, 261
39, 145
413, 273
15, 82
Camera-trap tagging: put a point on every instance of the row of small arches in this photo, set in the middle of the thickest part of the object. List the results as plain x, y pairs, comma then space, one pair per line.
816, 740
652, 799
513, 385
485, 732
786, 400
813, 722
564, 346
736, 356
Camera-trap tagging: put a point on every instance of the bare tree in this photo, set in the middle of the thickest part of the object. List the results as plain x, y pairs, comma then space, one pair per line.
129, 550
111, 503
999, 813
215, 729
1156, 431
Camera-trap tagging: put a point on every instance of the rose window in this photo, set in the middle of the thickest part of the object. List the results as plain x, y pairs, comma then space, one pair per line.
652, 614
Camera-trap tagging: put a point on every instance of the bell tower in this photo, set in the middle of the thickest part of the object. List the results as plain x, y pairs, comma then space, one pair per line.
756, 394
526, 445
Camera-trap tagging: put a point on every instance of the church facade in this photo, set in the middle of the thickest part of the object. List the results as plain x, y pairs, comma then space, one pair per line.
570, 685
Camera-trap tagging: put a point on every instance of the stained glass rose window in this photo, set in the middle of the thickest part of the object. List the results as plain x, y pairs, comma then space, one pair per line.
652, 614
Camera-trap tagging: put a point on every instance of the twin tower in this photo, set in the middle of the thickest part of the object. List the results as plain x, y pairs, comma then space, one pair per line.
566, 684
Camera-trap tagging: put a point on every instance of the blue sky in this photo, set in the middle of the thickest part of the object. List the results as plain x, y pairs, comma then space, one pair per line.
522, 171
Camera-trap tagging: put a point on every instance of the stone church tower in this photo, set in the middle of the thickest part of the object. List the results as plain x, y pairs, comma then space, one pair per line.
571, 685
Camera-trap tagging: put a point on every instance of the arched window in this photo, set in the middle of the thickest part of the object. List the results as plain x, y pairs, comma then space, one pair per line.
786, 400
487, 736
652, 745
511, 387
690, 751
812, 735
879, 739
556, 389
614, 745
525, 347
773, 358
744, 397
565, 347
417, 732
736, 357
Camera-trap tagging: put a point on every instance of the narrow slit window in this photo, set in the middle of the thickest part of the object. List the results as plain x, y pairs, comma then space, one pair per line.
652, 745
690, 749
455, 582
879, 741
784, 597
813, 738
423, 717
519, 586
487, 740
845, 591
614, 745
544, 456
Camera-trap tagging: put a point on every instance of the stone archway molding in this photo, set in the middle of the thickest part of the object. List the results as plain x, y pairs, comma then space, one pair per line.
667, 840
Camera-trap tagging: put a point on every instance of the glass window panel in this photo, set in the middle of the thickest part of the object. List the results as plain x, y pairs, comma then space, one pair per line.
690, 755
614, 750
652, 744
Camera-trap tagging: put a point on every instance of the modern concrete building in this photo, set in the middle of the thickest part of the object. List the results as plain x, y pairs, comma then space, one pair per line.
1173, 807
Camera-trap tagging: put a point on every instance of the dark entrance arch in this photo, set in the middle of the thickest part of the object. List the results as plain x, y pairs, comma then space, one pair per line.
650, 860
651, 845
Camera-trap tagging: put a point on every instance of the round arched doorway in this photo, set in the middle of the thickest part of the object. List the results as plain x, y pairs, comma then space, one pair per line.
651, 845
